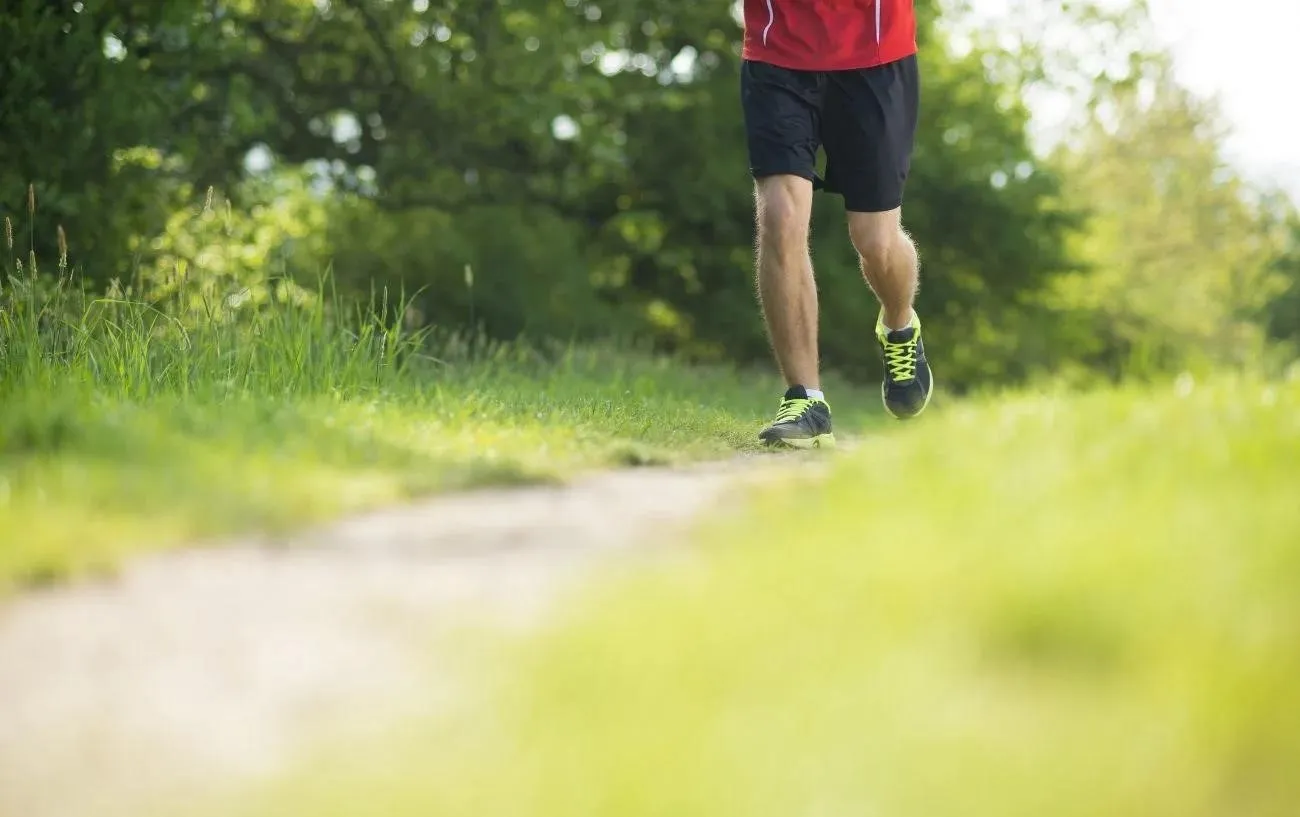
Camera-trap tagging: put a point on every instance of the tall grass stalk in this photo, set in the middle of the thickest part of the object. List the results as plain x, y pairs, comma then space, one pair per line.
53, 330
150, 341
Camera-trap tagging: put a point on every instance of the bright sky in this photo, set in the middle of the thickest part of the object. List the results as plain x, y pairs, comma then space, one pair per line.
1246, 53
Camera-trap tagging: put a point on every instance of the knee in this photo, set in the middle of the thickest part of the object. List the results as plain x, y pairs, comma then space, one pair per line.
878, 244
784, 209
875, 250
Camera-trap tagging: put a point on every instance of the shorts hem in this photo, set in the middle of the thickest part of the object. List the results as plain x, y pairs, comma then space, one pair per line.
860, 207
766, 172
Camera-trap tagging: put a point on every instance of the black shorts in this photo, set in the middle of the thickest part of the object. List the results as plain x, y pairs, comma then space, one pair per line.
865, 119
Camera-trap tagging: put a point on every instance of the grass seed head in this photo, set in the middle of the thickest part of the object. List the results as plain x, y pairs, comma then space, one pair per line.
63, 248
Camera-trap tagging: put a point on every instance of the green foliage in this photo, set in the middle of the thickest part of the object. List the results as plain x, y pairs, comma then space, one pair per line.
1282, 314
1066, 605
506, 270
245, 256
1179, 260
72, 122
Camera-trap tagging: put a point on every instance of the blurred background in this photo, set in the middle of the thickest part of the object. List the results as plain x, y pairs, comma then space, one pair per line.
1100, 188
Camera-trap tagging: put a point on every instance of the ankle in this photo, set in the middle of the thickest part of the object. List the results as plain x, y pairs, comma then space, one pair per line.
894, 321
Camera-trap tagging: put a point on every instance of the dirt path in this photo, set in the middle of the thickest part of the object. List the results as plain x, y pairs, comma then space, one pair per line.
197, 670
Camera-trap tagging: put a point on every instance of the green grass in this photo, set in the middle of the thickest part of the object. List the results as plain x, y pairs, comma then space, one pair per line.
127, 425
1042, 605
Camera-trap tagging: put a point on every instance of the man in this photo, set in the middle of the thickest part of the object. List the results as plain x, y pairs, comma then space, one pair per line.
842, 75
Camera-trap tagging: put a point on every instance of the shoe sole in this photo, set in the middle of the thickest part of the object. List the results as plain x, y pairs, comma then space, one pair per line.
821, 441
890, 411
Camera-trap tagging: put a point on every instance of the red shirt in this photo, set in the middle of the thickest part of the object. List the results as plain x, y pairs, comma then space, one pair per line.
829, 35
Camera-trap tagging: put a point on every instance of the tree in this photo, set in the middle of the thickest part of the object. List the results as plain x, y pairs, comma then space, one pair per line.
1281, 315
80, 106
1179, 250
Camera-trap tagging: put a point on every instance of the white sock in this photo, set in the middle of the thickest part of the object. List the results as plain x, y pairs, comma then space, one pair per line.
816, 394
908, 325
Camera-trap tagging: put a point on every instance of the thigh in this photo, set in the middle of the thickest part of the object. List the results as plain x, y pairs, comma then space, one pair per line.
869, 129
782, 119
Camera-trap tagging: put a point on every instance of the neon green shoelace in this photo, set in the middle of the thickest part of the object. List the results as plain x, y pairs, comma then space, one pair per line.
900, 358
793, 409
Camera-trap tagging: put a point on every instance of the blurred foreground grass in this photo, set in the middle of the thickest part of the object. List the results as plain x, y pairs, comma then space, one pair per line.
128, 423
1068, 606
